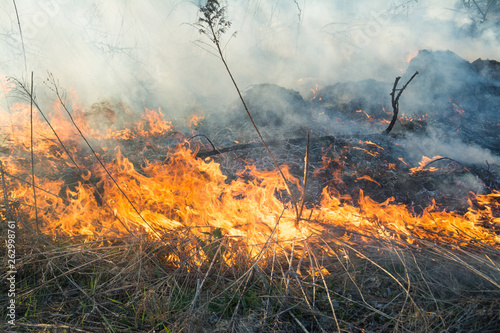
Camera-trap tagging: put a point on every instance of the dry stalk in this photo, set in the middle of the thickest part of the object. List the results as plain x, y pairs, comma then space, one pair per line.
457, 259
361, 255
298, 322
313, 273
213, 16
52, 328
359, 289
428, 287
200, 285
5, 196
306, 175
235, 312
63, 146
408, 288
75, 269
102, 164
259, 256
33, 156
308, 303
327, 290
22, 38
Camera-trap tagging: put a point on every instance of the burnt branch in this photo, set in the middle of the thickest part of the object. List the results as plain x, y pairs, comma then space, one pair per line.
395, 101
203, 136
252, 145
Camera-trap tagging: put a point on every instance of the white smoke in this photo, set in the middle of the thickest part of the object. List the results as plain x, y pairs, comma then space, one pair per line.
146, 52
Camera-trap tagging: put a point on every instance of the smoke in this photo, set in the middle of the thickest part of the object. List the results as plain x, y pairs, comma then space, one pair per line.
147, 53
439, 142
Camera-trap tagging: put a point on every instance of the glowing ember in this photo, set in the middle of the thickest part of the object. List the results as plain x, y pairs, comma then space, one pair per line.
457, 109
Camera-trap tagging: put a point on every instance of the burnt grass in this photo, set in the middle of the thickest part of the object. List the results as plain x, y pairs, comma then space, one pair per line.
337, 280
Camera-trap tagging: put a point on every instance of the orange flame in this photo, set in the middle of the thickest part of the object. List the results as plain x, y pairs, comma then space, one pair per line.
182, 192
195, 120
423, 164
411, 56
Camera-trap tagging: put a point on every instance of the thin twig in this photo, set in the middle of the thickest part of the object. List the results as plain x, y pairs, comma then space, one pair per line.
215, 39
304, 189
480, 10
295, 141
21, 34
206, 137
33, 157
63, 146
101, 163
200, 285
298, 322
5, 196
52, 328
327, 290
444, 158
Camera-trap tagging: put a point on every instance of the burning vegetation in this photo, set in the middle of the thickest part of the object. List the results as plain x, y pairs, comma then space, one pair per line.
162, 225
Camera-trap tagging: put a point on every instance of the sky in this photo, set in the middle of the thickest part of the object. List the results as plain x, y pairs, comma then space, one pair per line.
149, 53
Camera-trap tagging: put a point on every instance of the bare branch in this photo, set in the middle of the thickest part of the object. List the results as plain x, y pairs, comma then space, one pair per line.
395, 101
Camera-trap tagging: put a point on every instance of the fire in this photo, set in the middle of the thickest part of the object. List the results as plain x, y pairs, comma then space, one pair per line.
366, 114
405, 119
456, 108
424, 163
411, 56
153, 123
315, 92
186, 194
195, 120
372, 144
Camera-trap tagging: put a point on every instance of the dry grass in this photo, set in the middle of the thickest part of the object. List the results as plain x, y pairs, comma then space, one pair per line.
338, 280
139, 285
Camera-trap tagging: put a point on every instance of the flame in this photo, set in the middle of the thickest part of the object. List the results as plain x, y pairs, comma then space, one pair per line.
153, 124
182, 193
411, 56
368, 178
366, 114
365, 150
195, 120
402, 161
372, 144
405, 119
315, 92
423, 164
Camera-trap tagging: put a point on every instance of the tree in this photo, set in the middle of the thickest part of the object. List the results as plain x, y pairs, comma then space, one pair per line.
483, 10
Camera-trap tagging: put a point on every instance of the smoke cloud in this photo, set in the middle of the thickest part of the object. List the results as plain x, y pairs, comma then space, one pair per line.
147, 52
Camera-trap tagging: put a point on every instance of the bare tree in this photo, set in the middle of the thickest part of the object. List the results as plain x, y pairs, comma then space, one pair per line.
482, 9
